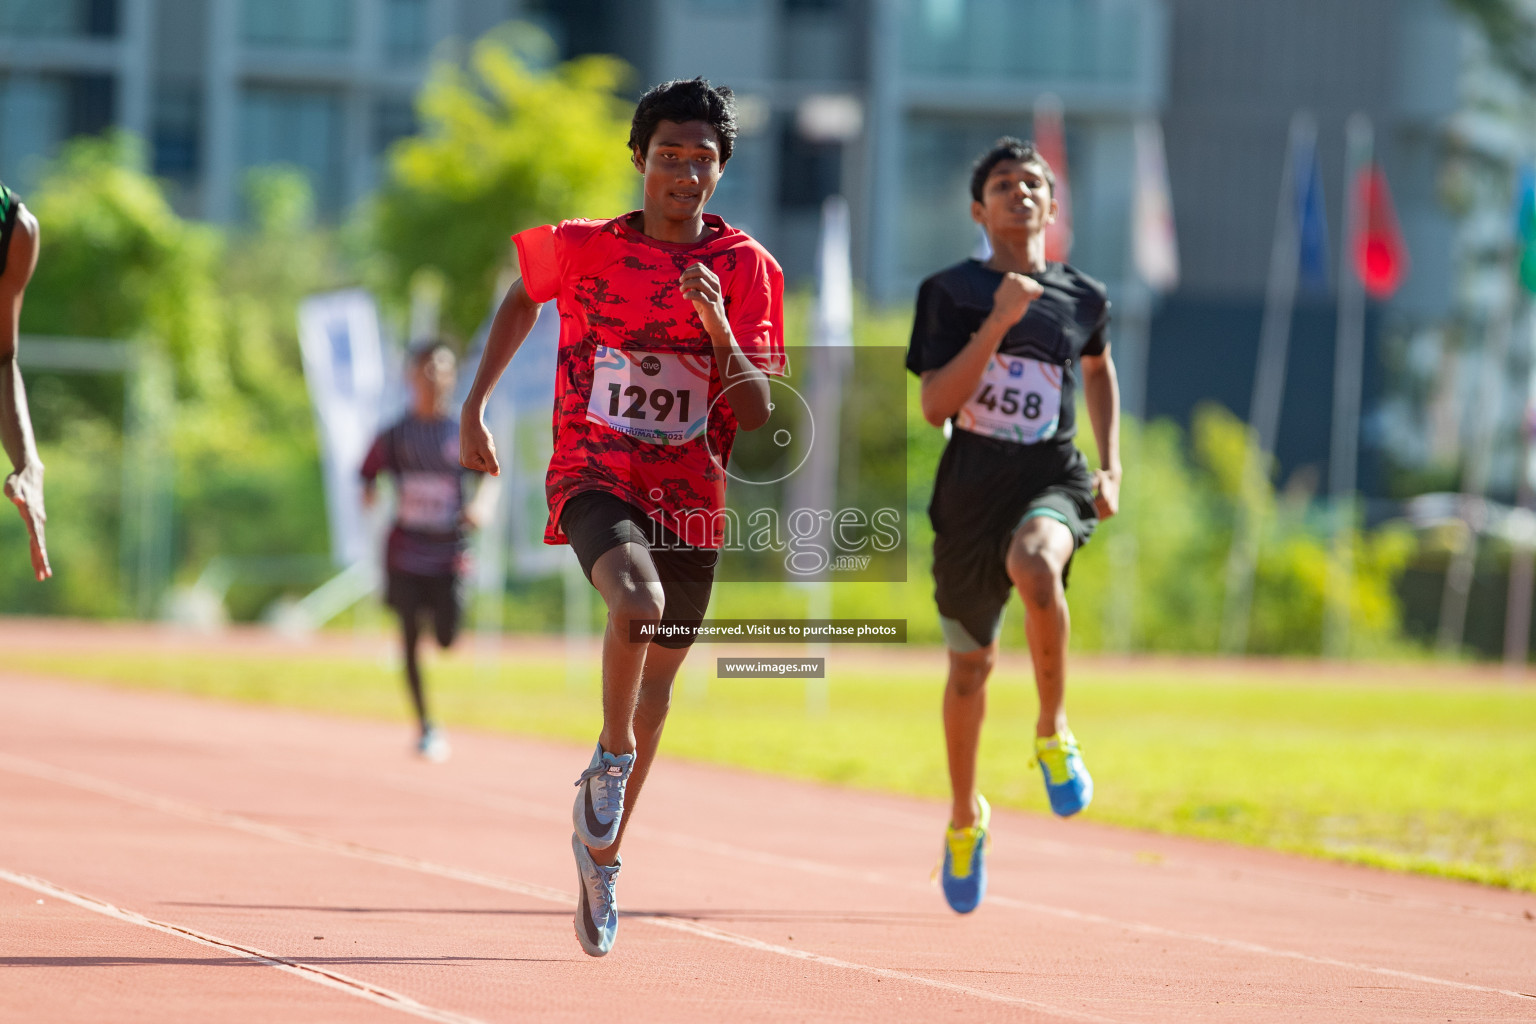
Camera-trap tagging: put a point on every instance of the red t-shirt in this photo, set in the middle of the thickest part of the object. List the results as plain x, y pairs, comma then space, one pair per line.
636, 412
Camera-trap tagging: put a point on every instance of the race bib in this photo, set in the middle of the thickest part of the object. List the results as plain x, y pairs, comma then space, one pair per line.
429, 502
656, 397
1019, 400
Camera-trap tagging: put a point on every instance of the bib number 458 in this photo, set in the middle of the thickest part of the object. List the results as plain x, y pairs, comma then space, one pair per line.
1008, 404
661, 400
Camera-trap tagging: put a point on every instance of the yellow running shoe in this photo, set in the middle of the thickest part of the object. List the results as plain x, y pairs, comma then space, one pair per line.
1067, 782
963, 874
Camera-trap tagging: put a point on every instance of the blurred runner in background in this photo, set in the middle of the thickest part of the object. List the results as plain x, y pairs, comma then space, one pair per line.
427, 553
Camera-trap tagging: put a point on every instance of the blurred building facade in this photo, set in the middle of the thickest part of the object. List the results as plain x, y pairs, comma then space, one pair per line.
215, 87
888, 102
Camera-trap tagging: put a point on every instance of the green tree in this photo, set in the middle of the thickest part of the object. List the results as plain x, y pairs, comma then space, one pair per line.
503, 147
119, 263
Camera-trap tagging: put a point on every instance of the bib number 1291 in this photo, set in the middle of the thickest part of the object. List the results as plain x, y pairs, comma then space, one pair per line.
662, 402
655, 397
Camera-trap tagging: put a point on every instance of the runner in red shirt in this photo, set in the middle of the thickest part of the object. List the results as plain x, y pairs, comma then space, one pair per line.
670, 322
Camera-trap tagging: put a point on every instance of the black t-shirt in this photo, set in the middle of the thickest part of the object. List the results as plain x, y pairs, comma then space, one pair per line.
423, 456
1014, 436
10, 202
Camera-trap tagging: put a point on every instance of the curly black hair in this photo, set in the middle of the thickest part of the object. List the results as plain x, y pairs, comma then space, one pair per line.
1008, 148
685, 99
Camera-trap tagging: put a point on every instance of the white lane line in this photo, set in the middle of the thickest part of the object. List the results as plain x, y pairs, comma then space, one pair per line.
104, 787
838, 871
38, 769
747, 942
165, 805
309, 972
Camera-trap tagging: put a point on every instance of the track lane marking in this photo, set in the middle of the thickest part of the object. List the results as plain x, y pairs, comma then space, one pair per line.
838, 871
67, 776
309, 972
104, 787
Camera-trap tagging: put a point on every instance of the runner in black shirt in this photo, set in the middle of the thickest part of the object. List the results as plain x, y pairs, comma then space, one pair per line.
1002, 348
426, 556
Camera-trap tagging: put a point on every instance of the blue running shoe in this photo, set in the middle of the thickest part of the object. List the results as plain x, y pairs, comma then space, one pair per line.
597, 914
1067, 781
600, 798
963, 876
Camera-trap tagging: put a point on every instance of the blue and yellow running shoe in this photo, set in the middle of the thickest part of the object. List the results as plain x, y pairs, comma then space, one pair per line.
597, 911
1067, 781
599, 804
963, 874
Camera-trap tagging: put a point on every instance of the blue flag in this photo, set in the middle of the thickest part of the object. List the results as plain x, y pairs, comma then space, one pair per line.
1525, 226
1311, 219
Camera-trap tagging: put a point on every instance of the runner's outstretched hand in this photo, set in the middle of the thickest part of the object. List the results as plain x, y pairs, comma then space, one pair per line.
1013, 295
702, 288
25, 489
476, 449
1106, 493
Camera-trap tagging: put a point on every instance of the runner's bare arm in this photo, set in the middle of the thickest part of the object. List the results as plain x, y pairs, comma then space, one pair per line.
946, 389
514, 319
24, 486
745, 386
1101, 391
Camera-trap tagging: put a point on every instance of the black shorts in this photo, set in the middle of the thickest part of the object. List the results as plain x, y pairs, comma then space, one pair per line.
596, 522
410, 594
970, 568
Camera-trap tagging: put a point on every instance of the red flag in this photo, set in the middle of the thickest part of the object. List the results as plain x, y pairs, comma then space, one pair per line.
1051, 142
1380, 255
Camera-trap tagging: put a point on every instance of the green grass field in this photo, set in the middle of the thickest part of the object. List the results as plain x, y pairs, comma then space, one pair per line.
1426, 775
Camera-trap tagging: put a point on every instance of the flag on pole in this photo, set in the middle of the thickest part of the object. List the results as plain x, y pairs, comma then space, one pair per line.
1051, 142
1311, 217
1525, 226
1380, 255
814, 485
343, 356
1156, 245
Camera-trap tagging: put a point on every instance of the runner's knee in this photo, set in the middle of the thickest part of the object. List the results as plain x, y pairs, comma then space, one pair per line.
968, 670
636, 601
1036, 572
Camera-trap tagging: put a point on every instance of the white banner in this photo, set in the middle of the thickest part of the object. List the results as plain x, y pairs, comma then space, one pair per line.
344, 367
1156, 245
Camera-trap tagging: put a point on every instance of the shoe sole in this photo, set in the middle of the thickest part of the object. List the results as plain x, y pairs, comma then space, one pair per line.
583, 909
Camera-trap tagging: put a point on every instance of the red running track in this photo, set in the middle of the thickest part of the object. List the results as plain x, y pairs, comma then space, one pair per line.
167, 858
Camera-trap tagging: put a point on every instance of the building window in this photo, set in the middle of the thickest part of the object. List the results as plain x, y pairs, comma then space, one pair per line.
302, 24
393, 120
809, 171
32, 117
177, 132
92, 99
301, 128
1084, 40
406, 32
96, 18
